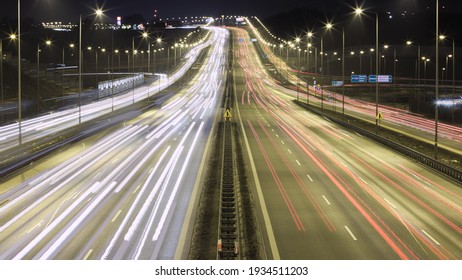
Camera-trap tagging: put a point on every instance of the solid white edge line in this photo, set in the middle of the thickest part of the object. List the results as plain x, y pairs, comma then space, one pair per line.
195, 195
267, 221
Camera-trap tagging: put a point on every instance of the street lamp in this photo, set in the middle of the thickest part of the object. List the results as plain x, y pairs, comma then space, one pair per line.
359, 11
410, 43
47, 43
1, 72
453, 56
437, 32
329, 26
146, 36
308, 46
158, 40
98, 13
19, 74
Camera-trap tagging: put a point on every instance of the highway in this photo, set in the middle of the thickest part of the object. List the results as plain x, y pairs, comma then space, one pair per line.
326, 193
55, 122
413, 125
123, 193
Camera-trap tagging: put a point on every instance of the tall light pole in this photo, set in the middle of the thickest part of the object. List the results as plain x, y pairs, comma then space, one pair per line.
98, 13
453, 76
133, 68
329, 26
359, 11
308, 46
146, 36
1, 72
19, 74
409, 43
297, 40
47, 43
437, 32
453, 57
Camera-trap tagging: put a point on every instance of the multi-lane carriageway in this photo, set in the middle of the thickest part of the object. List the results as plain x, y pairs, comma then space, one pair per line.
321, 192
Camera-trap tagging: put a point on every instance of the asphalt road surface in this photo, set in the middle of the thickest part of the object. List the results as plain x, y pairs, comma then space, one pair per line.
123, 193
328, 193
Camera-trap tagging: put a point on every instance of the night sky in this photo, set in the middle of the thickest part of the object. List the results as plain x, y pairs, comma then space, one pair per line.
65, 10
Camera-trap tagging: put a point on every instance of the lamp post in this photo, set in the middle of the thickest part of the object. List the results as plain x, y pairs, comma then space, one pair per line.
47, 43
329, 26
158, 41
146, 36
409, 43
98, 13
19, 74
308, 46
176, 46
425, 60
360, 11
453, 57
453, 77
1, 72
437, 32
133, 68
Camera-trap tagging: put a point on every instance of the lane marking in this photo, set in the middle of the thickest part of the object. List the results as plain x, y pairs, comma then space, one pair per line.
289, 151
88, 254
283, 142
325, 198
298, 162
364, 181
309, 177
351, 233
137, 188
39, 224
431, 237
389, 202
116, 215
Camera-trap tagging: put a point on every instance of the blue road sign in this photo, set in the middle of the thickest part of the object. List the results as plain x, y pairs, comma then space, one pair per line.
337, 83
382, 78
359, 78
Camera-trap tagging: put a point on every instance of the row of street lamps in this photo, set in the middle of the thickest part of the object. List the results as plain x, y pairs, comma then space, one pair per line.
359, 12
98, 13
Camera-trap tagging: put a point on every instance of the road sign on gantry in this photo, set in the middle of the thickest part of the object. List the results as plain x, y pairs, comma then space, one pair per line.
358, 78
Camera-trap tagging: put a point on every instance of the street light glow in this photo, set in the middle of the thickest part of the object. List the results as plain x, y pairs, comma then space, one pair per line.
99, 12
359, 11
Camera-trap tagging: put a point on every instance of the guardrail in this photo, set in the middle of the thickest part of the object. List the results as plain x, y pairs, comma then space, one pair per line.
424, 159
